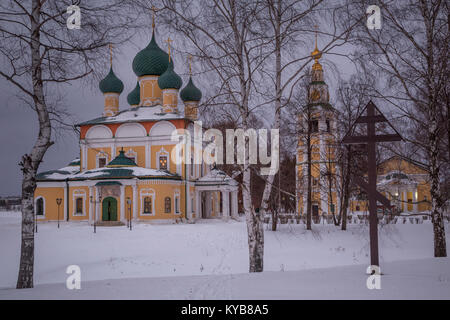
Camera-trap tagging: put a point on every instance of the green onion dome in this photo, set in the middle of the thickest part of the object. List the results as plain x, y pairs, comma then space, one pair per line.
151, 61
169, 79
111, 83
134, 97
190, 92
121, 161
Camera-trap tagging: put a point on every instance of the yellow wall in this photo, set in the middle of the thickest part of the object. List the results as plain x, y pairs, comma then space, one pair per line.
150, 91
51, 208
161, 191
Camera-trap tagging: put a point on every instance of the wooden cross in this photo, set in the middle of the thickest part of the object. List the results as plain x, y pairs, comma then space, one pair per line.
190, 64
168, 44
154, 9
373, 116
110, 53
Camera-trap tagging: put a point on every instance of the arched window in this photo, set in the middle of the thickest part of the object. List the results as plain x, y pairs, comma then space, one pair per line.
167, 205
148, 205
40, 207
163, 162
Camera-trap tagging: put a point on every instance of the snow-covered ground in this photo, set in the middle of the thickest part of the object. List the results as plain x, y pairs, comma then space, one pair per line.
210, 260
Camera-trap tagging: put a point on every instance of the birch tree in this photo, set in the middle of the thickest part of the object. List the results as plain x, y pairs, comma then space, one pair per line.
38, 51
223, 38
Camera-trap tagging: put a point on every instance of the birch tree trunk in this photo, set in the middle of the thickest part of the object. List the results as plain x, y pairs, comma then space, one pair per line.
278, 92
346, 188
30, 162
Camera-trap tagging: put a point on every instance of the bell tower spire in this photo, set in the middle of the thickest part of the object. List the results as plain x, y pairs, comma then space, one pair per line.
318, 88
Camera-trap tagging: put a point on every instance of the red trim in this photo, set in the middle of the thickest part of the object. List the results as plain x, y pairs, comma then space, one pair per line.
178, 123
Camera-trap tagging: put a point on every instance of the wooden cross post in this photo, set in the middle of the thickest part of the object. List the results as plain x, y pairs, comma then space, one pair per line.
154, 9
190, 64
371, 186
169, 41
110, 54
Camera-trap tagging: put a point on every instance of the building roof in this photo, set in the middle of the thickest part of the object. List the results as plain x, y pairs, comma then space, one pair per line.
152, 60
72, 173
216, 177
137, 114
121, 161
111, 83
170, 79
190, 92
413, 162
134, 97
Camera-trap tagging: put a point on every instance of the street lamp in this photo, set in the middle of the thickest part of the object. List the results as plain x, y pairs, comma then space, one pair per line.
35, 220
58, 202
129, 213
91, 199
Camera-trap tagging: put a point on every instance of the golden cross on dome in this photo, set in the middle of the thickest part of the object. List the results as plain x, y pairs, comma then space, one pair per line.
168, 44
190, 64
317, 30
110, 54
154, 9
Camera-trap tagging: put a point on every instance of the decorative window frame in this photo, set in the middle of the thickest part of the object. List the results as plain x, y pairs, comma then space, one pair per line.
78, 193
162, 152
132, 153
101, 154
43, 207
147, 193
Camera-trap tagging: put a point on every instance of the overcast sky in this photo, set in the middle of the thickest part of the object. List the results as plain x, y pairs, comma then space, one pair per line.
18, 122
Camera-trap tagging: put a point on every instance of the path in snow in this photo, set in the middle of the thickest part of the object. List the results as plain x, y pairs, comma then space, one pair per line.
413, 279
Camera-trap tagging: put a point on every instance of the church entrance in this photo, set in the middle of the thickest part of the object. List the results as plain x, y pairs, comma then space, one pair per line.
109, 209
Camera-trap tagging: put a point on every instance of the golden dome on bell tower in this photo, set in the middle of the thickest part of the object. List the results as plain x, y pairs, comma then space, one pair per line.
316, 54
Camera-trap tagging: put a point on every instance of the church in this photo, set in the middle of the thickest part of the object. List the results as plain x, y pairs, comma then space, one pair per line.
125, 171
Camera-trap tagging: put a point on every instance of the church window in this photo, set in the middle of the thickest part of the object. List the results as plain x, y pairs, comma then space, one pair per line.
79, 206
314, 126
177, 204
163, 162
315, 181
148, 205
167, 205
40, 207
101, 162
328, 125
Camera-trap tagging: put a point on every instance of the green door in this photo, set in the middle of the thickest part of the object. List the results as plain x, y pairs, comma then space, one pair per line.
109, 209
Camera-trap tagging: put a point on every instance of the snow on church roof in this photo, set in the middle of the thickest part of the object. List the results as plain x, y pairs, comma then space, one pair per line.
216, 176
73, 173
137, 114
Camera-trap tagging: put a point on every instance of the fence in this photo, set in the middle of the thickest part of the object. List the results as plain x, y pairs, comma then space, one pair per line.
292, 218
